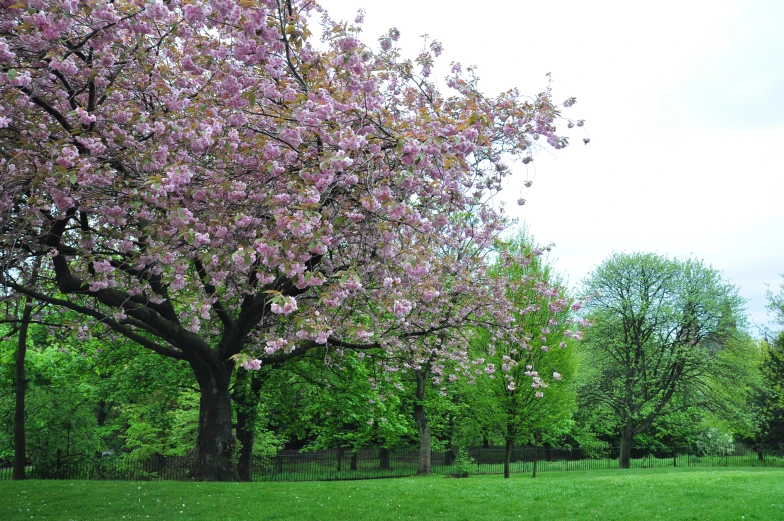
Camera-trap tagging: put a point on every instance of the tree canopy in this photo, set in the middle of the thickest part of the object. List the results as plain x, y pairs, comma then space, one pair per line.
203, 179
660, 327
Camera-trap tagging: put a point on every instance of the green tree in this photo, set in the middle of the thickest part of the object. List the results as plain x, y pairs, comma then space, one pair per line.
536, 353
767, 402
659, 329
773, 406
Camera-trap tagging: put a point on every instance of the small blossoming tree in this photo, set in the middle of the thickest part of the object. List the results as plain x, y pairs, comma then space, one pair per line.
534, 350
201, 178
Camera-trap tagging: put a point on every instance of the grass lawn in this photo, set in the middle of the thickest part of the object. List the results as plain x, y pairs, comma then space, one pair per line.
632, 495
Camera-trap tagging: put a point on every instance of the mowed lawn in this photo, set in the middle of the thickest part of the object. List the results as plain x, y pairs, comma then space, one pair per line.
632, 495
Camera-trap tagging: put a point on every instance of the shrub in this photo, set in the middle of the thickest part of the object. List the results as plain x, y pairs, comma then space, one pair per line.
463, 465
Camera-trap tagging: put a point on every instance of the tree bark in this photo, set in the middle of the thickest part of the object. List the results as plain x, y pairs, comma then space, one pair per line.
451, 454
383, 458
20, 448
627, 438
246, 395
508, 456
424, 463
536, 456
216, 443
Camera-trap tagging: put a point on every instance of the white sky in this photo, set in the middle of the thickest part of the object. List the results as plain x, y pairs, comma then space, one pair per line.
684, 106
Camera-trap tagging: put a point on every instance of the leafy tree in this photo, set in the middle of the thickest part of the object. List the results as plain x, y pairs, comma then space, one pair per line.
776, 305
217, 189
543, 326
772, 404
659, 329
344, 406
767, 401
87, 395
58, 413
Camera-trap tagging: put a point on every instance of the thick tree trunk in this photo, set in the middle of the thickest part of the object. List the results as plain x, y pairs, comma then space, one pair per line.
247, 392
424, 464
627, 438
216, 443
508, 456
354, 460
20, 450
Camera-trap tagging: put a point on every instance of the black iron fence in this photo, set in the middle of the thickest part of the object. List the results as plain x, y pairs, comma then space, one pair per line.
346, 464
112, 468
381, 463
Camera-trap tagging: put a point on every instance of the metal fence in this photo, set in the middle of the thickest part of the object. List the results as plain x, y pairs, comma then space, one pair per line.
346, 464
381, 463
110, 468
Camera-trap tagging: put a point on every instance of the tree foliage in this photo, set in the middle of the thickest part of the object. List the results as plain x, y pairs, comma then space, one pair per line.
216, 187
660, 328
539, 352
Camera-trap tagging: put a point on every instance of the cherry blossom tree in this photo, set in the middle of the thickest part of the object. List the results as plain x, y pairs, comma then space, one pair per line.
534, 349
202, 178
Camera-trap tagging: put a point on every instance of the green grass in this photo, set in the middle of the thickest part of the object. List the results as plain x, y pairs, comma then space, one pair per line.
606, 495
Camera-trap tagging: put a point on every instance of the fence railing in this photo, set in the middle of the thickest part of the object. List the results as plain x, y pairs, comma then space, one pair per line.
346, 464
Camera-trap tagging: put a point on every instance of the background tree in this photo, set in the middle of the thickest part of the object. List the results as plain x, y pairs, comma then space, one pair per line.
772, 404
659, 327
537, 352
213, 186
767, 401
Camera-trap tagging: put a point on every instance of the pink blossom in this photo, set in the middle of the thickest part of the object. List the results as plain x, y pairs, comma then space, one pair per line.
252, 365
289, 306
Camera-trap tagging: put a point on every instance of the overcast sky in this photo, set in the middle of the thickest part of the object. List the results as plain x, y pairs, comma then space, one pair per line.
684, 106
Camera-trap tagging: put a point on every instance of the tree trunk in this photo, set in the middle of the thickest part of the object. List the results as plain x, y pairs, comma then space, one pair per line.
450, 454
508, 456
424, 464
216, 443
246, 395
627, 438
383, 458
536, 457
354, 460
674, 456
100, 413
20, 450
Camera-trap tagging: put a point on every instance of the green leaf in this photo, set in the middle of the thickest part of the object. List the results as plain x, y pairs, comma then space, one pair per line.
11, 74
